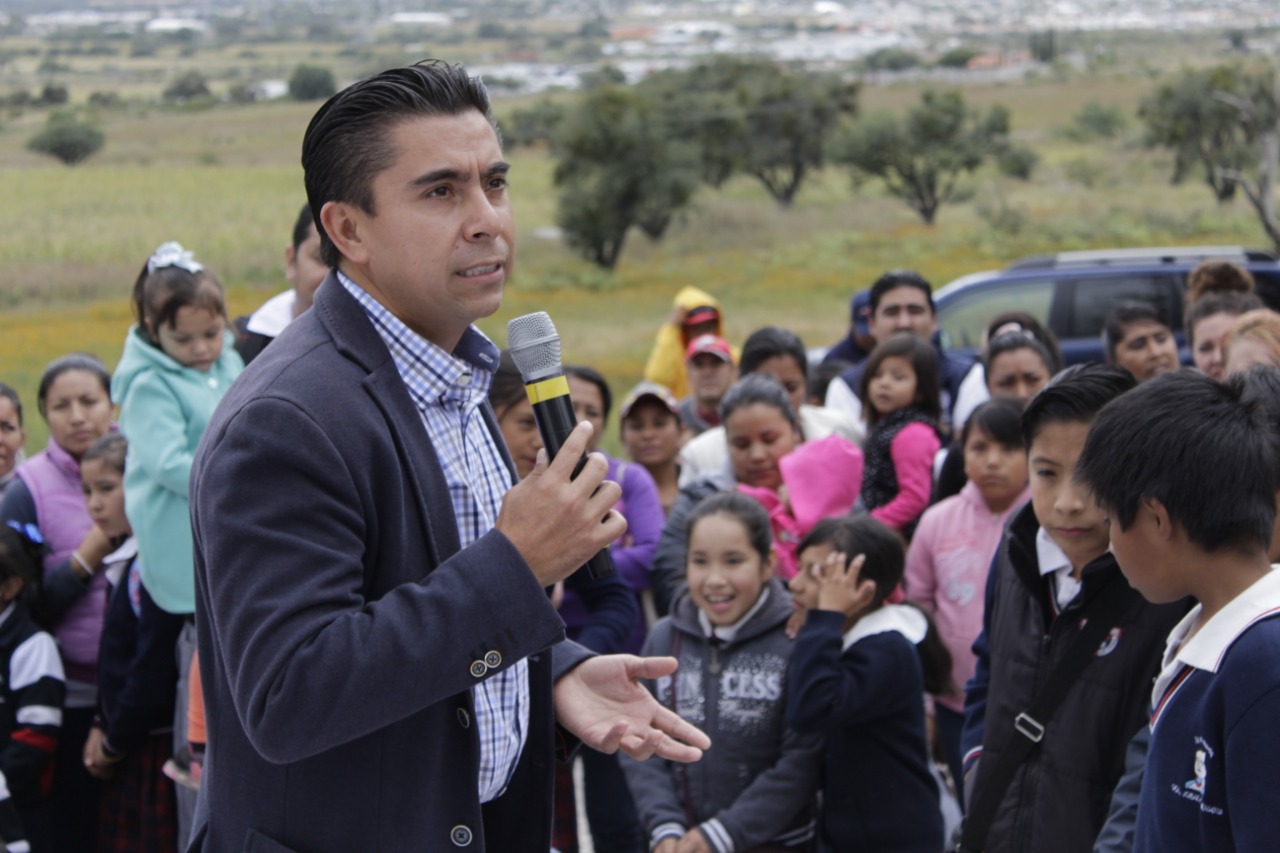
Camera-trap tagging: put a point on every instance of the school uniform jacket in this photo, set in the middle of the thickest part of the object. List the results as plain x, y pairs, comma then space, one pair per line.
341, 627
1059, 795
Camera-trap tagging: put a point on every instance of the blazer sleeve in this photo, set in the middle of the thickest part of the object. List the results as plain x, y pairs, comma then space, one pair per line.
912, 451
281, 590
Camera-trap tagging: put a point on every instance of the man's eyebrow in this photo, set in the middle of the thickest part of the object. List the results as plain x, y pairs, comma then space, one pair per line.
501, 167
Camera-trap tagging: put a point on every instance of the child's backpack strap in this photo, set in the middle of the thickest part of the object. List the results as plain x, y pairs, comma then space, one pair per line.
1029, 726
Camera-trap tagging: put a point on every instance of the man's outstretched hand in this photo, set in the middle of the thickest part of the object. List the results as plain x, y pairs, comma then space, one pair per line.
602, 702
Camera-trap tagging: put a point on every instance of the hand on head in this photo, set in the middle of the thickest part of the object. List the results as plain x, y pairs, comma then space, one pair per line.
840, 587
555, 520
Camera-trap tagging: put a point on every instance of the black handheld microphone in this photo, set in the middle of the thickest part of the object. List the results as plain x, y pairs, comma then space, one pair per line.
535, 348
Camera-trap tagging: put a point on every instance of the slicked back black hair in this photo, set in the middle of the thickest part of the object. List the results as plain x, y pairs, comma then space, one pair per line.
1075, 395
348, 142
1204, 449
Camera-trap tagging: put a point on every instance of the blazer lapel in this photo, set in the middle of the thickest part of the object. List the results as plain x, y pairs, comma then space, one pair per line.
355, 337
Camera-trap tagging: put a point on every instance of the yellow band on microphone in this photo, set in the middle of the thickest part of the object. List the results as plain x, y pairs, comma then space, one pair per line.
548, 389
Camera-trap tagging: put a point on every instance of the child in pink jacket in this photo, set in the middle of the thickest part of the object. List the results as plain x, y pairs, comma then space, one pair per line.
954, 543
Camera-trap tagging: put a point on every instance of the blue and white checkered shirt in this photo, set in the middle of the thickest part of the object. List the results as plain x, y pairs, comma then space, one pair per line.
448, 390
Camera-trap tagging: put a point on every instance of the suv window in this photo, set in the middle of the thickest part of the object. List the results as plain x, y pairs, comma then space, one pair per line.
1091, 299
967, 316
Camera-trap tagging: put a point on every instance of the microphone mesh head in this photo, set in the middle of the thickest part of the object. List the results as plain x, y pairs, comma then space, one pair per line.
534, 345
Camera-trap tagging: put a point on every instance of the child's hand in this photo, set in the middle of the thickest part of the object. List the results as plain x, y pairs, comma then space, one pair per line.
841, 589
95, 760
694, 843
668, 845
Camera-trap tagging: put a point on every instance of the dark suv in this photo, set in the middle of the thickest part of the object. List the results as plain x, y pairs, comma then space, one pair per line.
1071, 292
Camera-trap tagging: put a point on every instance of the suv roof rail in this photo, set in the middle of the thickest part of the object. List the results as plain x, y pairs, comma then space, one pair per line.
1155, 255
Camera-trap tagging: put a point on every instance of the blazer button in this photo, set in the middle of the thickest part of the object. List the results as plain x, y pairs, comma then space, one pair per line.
493, 660
464, 719
478, 668
460, 836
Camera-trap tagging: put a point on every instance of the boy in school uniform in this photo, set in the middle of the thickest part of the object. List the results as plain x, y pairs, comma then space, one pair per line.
1186, 469
1051, 574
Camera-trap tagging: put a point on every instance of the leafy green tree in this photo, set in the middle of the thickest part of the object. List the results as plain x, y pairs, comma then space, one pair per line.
311, 83
749, 115
619, 167
53, 94
1044, 46
1184, 115
1098, 121
891, 59
924, 156
957, 57
68, 139
187, 86
533, 124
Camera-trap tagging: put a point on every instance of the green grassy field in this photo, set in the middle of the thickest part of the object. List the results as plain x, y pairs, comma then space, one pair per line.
226, 182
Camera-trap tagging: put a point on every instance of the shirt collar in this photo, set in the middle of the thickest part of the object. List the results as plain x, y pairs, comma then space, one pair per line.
726, 633
903, 618
430, 372
1209, 646
1050, 557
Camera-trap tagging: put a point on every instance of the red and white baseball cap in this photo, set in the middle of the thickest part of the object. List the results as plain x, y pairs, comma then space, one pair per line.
713, 344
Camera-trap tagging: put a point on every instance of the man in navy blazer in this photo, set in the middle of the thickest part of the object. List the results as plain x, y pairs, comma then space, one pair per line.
382, 668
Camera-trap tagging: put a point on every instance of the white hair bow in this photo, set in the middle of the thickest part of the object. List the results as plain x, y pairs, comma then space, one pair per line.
172, 254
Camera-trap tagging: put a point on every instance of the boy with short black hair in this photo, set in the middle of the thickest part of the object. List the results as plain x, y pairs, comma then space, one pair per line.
1186, 468
1041, 773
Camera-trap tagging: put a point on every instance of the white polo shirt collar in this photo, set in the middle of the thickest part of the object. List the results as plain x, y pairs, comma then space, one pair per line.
1209, 646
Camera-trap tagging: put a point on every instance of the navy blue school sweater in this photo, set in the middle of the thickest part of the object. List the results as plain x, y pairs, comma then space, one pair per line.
1213, 772
869, 700
137, 662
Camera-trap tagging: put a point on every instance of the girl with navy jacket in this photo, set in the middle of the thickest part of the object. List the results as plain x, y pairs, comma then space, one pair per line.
858, 674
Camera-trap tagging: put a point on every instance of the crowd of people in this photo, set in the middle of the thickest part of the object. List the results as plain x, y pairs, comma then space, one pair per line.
916, 603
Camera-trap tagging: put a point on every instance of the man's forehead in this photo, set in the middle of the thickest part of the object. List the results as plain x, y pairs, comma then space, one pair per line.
904, 295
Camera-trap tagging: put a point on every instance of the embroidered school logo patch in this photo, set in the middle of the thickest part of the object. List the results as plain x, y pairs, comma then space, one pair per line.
1108, 645
1197, 784
1196, 788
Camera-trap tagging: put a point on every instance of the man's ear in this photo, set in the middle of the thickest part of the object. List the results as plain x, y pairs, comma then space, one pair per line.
342, 222
1161, 524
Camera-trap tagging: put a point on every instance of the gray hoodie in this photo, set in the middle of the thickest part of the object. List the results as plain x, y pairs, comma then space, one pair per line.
757, 782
